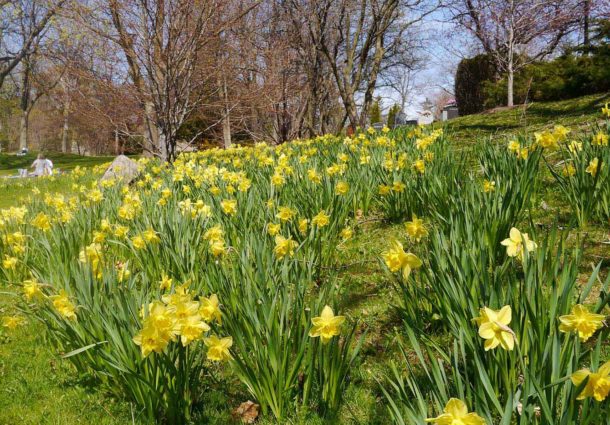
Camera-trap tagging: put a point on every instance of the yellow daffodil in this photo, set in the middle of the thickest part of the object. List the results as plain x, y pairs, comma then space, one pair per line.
398, 260
229, 206
493, 328
517, 244
327, 325
151, 340
273, 229
31, 290
581, 320
321, 219
284, 246
347, 233
568, 170
606, 110
314, 176
210, 309
574, 146
489, 186
600, 139
593, 167
92, 255
560, 132
151, 236
514, 146
419, 166
192, 328
416, 229
64, 306
384, 190
121, 231
285, 213
9, 263
42, 222
165, 283
217, 247
456, 413
342, 188
523, 153
214, 233
218, 348
303, 224
598, 385
12, 322
138, 242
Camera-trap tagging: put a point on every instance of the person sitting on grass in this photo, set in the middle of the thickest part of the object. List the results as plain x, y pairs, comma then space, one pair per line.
42, 166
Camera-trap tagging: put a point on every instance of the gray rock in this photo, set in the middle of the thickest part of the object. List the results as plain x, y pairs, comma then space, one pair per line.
123, 169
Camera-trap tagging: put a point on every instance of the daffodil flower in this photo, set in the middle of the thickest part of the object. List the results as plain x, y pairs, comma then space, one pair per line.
493, 328
456, 413
327, 325
582, 321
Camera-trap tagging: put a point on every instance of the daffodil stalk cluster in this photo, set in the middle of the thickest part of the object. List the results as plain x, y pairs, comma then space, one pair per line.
579, 165
221, 270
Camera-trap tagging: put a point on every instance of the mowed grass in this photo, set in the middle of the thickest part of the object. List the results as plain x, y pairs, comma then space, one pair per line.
13, 191
38, 387
580, 113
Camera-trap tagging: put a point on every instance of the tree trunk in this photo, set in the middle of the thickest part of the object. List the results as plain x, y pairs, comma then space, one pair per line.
163, 151
585, 29
66, 128
23, 129
117, 145
226, 120
510, 79
152, 136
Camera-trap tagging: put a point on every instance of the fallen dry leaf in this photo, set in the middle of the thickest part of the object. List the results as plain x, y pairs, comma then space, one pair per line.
247, 412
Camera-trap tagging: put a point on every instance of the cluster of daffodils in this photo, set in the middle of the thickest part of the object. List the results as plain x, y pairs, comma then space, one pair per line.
494, 326
215, 237
33, 293
178, 316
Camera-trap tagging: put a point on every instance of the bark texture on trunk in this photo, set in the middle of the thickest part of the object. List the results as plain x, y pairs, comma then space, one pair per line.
511, 83
23, 129
66, 128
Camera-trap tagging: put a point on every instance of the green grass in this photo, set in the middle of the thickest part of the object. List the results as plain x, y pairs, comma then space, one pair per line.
9, 164
12, 191
38, 387
498, 124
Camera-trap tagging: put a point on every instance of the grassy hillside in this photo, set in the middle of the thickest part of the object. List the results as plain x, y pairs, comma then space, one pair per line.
39, 387
581, 112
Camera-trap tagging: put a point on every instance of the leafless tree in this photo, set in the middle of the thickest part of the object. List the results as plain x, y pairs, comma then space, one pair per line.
359, 39
23, 26
516, 32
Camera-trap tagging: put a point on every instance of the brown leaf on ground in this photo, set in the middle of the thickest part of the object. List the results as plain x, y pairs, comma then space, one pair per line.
247, 412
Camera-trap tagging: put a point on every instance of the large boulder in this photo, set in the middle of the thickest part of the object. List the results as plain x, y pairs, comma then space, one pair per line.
122, 169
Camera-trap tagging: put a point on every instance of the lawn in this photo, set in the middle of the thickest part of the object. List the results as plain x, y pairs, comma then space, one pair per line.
10, 163
13, 190
503, 123
38, 387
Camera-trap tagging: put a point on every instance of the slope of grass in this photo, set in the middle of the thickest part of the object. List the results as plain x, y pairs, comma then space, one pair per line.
496, 124
36, 386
